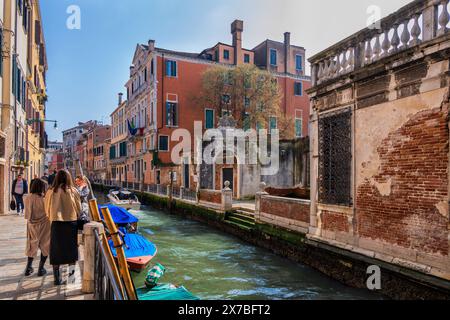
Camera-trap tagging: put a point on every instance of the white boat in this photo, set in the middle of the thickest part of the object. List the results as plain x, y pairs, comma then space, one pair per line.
125, 199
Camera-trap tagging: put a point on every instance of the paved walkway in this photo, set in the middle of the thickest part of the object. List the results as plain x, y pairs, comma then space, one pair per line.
13, 284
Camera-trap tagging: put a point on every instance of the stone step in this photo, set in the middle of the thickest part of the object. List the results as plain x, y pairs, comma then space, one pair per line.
241, 221
240, 226
244, 209
242, 216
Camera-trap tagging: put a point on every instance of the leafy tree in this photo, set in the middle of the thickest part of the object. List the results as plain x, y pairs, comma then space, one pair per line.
251, 95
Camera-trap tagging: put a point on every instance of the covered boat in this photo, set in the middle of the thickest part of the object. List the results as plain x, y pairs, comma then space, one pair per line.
165, 292
120, 216
124, 198
138, 251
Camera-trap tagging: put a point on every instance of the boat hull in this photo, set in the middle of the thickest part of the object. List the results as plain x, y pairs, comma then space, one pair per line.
125, 204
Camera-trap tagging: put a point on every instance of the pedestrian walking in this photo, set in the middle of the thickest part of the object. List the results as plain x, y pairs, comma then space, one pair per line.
19, 189
38, 227
51, 178
63, 205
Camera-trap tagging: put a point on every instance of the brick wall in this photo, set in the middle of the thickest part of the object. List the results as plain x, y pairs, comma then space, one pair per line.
335, 221
211, 196
292, 214
414, 161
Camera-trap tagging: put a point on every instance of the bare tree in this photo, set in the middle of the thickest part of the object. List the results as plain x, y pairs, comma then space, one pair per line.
251, 95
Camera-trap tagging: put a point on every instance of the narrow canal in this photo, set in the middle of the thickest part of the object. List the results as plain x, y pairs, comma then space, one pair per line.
215, 265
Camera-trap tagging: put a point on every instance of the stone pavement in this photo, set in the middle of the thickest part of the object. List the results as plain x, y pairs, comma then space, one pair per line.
14, 285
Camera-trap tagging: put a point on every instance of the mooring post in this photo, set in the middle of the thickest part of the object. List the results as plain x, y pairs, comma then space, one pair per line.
89, 255
227, 198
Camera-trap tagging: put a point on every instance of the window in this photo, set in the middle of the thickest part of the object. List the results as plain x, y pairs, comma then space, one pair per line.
335, 158
209, 119
298, 62
298, 89
226, 98
273, 57
171, 68
299, 127
273, 123
163, 143
246, 102
246, 58
226, 54
171, 114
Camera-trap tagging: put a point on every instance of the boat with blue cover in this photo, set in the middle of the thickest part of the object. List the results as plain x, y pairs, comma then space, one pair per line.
138, 250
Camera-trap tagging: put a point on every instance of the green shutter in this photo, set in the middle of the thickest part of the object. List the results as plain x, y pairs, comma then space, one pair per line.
209, 119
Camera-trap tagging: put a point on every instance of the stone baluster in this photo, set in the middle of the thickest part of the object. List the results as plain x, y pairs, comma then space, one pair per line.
338, 64
320, 73
351, 59
386, 45
325, 70
405, 35
415, 31
395, 41
377, 47
368, 52
344, 62
443, 19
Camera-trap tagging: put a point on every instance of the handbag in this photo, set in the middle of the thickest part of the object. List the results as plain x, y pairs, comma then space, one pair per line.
12, 205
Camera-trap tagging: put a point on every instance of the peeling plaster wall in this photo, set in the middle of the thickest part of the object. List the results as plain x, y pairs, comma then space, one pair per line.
401, 162
400, 176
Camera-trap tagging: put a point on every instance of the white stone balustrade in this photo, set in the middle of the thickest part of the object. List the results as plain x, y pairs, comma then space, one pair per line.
418, 22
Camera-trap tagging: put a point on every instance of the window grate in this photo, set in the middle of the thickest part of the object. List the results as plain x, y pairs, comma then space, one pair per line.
335, 156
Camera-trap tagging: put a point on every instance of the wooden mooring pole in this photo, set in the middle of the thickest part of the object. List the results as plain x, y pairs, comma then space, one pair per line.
118, 244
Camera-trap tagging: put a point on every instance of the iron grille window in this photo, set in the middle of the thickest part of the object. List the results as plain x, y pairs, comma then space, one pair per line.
335, 156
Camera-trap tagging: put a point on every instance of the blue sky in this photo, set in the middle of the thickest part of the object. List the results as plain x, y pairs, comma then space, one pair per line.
88, 67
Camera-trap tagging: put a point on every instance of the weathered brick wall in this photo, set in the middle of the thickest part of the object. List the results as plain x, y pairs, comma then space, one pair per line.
292, 209
413, 212
210, 196
335, 221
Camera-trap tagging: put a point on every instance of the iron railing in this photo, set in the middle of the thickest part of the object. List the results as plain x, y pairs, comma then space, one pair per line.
190, 195
106, 287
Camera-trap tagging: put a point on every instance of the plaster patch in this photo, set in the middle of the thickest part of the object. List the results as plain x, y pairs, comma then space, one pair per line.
442, 207
385, 188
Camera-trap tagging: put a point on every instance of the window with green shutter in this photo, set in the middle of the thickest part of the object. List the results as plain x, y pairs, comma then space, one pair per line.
273, 123
209, 119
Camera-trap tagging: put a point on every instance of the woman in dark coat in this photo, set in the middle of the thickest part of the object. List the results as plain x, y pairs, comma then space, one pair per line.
63, 205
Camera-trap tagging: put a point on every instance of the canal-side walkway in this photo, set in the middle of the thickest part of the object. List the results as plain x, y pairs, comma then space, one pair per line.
14, 285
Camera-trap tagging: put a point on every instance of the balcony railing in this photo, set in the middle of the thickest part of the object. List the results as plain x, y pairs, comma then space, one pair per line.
418, 22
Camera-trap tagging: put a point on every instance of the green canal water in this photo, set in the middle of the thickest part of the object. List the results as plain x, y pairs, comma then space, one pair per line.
214, 265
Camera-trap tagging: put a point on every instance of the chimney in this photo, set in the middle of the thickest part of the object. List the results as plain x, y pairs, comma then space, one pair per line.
237, 27
151, 45
287, 51
120, 98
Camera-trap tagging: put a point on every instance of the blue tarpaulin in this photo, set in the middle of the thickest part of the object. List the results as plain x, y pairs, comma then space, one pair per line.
118, 214
136, 246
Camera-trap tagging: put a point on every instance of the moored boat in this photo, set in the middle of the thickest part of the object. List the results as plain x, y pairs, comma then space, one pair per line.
138, 250
124, 198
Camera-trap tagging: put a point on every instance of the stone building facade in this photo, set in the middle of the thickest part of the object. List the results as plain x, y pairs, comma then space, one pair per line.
380, 140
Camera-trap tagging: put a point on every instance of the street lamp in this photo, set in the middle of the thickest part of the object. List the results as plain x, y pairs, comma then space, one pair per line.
31, 121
